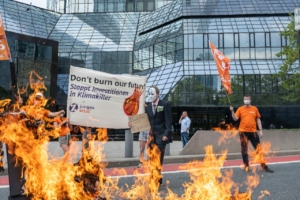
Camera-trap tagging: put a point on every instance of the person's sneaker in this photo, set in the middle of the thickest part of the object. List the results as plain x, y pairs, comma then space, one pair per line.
246, 169
267, 169
140, 165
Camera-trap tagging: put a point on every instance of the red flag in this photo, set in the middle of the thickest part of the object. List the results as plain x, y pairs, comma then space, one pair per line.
4, 48
223, 66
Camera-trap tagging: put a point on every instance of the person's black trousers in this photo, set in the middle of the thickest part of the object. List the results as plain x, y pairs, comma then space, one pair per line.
254, 139
161, 148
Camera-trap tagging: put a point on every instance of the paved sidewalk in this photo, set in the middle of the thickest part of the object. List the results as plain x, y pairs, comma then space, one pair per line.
115, 153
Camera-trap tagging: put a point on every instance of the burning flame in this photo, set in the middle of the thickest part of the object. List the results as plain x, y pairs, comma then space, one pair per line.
60, 178
258, 155
229, 132
208, 182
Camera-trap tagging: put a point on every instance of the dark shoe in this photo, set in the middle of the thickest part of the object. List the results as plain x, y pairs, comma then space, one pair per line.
267, 169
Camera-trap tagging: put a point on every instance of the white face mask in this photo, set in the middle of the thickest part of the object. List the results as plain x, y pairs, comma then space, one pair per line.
152, 94
247, 102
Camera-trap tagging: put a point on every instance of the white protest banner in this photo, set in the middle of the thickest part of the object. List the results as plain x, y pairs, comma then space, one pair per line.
99, 99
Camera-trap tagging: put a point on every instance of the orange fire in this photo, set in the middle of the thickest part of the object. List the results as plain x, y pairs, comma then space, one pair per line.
230, 132
59, 178
258, 155
208, 182
1, 161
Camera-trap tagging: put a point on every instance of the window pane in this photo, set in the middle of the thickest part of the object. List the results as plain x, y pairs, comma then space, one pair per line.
268, 42
275, 39
236, 40
244, 53
252, 40
198, 41
228, 40
244, 40
259, 40
205, 40
214, 39
221, 40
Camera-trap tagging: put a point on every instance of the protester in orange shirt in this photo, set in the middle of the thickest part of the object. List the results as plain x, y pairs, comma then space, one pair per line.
37, 111
35, 114
250, 119
64, 133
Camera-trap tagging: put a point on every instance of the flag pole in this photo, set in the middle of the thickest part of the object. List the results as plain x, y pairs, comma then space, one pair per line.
228, 98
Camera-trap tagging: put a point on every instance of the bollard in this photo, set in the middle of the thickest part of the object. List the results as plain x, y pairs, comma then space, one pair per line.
167, 150
128, 144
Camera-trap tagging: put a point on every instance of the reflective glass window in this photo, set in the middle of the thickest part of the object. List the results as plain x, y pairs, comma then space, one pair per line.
198, 54
275, 40
260, 53
229, 52
275, 51
221, 40
186, 41
236, 40
214, 39
268, 53
191, 41
244, 40
268, 39
244, 53
252, 40
198, 38
283, 41
205, 41
259, 40
228, 40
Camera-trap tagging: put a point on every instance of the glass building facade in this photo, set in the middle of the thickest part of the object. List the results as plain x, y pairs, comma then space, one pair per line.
168, 41
27, 29
85, 6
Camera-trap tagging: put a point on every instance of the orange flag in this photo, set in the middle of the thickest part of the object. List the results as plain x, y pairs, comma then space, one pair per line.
4, 48
223, 66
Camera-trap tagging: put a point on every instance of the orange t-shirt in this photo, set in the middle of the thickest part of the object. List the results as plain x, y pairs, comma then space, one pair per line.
248, 116
63, 129
37, 113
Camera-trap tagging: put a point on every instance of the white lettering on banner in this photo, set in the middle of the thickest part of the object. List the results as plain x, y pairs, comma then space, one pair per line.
2, 47
99, 99
221, 58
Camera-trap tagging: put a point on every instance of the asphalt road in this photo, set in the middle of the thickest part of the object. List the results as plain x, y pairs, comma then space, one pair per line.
284, 184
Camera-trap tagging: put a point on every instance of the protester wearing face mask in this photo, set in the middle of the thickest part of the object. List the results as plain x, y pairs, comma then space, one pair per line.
249, 120
160, 117
64, 132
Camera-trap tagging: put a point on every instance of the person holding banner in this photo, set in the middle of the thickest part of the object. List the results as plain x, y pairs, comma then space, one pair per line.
160, 117
249, 119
